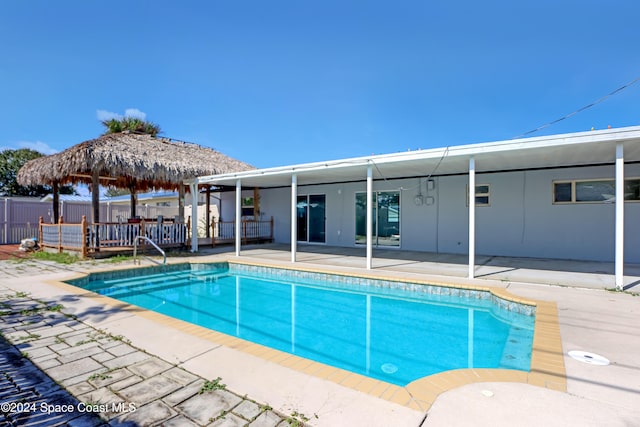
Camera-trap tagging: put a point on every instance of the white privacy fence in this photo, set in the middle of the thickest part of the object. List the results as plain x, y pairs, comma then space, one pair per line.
19, 217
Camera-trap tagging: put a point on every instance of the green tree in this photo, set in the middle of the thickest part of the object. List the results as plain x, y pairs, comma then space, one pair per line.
10, 163
131, 124
135, 125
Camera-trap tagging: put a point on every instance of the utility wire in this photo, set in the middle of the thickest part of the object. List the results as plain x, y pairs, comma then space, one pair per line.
384, 177
620, 89
444, 154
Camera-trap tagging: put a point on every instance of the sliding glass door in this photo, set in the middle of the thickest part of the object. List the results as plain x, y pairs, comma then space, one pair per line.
311, 218
386, 218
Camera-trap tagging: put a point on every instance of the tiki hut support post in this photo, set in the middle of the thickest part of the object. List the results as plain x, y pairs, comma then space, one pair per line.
134, 198
95, 196
181, 192
95, 204
56, 201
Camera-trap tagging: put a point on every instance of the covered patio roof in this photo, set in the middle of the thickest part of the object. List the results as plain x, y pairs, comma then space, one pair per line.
575, 149
605, 147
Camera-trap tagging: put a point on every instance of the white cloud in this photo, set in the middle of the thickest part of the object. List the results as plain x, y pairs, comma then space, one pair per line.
38, 146
103, 115
135, 113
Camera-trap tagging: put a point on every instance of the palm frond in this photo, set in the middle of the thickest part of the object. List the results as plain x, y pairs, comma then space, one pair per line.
131, 124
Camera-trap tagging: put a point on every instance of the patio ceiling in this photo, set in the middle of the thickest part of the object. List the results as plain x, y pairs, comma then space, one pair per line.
585, 148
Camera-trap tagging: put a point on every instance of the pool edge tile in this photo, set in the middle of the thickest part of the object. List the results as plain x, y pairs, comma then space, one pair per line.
547, 359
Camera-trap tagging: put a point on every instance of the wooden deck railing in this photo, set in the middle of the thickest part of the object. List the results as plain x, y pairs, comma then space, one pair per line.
63, 236
87, 238
224, 231
116, 234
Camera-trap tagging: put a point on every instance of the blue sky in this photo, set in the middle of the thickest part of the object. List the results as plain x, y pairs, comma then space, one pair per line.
283, 82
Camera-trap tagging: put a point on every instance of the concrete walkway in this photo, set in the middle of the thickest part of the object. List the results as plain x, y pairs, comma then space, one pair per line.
591, 319
33, 397
114, 383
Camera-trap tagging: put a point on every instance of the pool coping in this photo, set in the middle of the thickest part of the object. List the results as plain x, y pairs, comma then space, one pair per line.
547, 360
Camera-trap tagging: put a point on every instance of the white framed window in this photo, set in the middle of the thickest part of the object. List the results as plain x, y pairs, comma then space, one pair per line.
247, 207
594, 191
483, 195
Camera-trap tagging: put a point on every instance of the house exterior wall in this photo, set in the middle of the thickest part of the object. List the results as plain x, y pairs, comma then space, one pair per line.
227, 204
521, 221
276, 203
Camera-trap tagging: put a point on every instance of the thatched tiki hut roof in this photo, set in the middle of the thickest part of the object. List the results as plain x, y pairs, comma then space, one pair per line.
127, 160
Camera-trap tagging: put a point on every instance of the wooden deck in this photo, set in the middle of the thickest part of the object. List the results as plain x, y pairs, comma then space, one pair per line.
12, 252
107, 239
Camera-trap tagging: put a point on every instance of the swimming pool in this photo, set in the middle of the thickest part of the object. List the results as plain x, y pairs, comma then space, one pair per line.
385, 329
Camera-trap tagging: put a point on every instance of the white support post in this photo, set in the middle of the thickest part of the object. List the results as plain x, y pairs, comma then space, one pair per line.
194, 217
472, 217
238, 230
619, 254
369, 218
294, 216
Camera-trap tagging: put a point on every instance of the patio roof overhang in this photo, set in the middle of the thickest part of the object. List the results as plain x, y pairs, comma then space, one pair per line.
613, 147
575, 149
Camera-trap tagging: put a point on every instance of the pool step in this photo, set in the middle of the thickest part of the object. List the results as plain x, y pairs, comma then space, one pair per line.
515, 355
163, 275
146, 287
147, 283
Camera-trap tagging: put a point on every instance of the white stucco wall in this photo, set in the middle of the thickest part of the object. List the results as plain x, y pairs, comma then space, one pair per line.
276, 203
520, 221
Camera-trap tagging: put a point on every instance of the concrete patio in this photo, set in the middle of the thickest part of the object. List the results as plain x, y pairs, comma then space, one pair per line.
591, 319
108, 381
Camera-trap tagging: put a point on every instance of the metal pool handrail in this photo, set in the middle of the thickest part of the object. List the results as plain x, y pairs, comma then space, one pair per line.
135, 249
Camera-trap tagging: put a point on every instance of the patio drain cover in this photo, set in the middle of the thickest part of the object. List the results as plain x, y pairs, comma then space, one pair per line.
591, 358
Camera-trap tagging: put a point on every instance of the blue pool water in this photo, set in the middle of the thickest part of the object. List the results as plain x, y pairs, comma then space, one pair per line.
385, 330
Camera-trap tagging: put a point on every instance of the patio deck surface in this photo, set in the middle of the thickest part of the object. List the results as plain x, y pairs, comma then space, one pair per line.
590, 319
